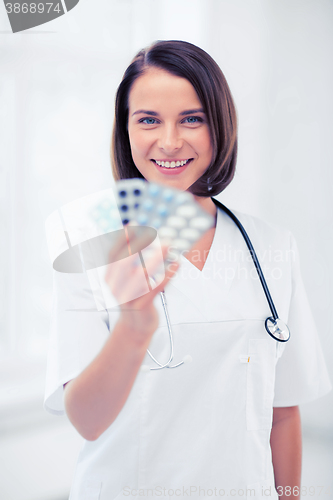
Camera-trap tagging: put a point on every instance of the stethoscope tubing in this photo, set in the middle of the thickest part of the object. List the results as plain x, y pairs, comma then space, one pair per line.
167, 364
253, 255
255, 260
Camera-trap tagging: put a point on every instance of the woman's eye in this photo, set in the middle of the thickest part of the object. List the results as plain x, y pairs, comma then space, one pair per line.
193, 119
148, 121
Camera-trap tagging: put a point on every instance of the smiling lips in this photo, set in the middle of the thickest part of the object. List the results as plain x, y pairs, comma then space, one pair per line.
172, 164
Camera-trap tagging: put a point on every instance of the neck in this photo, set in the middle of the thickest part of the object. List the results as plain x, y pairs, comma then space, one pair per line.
207, 204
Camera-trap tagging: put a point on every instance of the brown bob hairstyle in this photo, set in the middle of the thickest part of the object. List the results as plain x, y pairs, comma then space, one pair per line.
187, 61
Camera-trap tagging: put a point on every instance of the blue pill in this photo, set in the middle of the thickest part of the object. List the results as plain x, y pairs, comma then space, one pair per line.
162, 210
142, 219
168, 195
156, 223
147, 204
154, 190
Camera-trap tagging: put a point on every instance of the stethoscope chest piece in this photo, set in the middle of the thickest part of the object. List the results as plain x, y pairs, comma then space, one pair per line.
277, 329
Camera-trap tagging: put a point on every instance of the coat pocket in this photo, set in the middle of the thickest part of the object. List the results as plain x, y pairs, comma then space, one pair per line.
260, 384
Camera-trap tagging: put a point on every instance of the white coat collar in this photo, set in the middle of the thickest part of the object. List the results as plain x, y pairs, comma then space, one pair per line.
219, 270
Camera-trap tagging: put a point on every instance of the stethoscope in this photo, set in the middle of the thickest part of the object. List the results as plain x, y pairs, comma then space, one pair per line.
275, 327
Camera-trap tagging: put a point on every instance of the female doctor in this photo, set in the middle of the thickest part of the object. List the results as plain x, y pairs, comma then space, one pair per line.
227, 423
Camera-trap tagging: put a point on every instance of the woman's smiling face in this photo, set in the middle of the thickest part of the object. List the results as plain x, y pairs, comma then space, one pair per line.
168, 130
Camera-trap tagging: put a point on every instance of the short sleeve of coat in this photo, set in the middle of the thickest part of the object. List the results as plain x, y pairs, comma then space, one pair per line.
78, 332
301, 373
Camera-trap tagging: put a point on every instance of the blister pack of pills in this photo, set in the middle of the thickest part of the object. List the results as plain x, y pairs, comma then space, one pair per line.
178, 219
129, 195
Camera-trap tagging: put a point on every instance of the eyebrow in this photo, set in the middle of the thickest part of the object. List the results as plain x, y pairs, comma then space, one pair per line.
192, 111
153, 113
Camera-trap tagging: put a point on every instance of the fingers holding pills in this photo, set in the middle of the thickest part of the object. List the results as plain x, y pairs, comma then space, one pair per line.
154, 210
159, 224
137, 275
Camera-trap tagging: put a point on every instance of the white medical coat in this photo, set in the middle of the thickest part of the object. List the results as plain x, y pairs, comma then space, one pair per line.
202, 429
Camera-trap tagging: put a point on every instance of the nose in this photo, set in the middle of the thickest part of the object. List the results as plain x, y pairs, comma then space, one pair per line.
170, 140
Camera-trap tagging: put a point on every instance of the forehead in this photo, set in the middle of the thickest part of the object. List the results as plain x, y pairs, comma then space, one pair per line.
159, 88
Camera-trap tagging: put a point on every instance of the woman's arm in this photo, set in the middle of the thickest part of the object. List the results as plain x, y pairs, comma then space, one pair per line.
94, 398
286, 444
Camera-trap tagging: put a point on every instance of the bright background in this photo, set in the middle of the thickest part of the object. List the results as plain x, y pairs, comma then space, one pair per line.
57, 86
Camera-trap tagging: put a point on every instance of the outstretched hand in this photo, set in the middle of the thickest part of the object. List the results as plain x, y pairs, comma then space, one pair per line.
130, 279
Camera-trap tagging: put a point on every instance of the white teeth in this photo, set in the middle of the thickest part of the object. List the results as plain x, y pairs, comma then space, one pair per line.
171, 164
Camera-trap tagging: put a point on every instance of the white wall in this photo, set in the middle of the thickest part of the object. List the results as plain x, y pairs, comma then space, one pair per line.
57, 85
